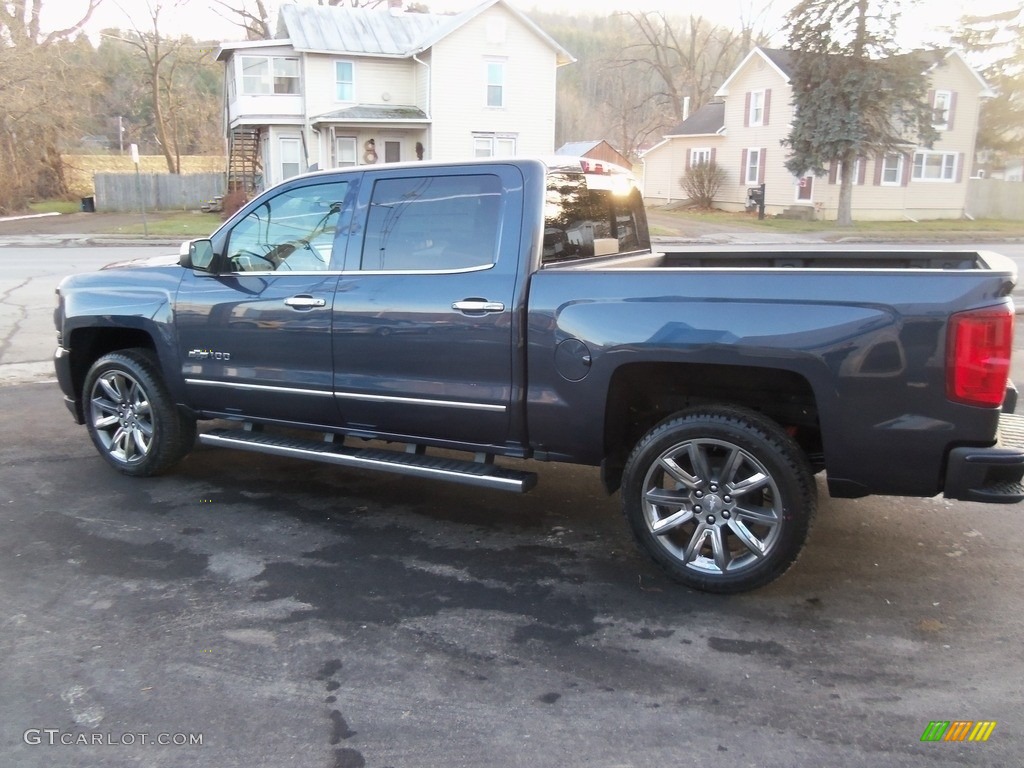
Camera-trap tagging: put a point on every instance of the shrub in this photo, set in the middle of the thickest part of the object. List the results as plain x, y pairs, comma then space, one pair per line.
702, 182
233, 202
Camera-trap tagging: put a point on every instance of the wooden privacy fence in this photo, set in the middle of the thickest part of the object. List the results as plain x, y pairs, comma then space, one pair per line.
159, 191
995, 199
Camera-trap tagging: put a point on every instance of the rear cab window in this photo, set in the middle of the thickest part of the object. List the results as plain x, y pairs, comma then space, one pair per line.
592, 209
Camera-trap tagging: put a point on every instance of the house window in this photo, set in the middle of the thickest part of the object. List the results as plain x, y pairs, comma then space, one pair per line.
344, 151
291, 157
841, 169
934, 166
392, 151
700, 156
941, 106
495, 84
892, 170
752, 167
493, 145
757, 108
344, 81
265, 74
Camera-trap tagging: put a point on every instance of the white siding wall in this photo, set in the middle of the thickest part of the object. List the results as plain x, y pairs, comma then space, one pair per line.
460, 88
665, 166
373, 78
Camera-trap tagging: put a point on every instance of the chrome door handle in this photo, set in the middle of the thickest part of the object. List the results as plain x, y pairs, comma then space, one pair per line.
305, 302
478, 305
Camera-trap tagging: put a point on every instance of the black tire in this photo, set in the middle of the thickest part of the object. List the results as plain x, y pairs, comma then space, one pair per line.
720, 497
131, 418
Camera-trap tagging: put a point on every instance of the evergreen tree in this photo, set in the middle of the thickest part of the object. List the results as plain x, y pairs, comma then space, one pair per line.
855, 95
995, 43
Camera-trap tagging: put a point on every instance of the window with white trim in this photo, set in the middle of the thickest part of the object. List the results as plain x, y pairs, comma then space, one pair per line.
495, 84
934, 166
344, 151
700, 156
856, 172
892, 170
757, 101
344, 81
291, 156
493, 145
270, 75
752, 170
940, 109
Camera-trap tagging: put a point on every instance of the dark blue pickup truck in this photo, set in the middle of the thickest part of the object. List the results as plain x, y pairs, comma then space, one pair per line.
495, 310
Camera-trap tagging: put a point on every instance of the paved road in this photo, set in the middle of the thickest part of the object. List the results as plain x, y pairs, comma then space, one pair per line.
292, 614
304, 615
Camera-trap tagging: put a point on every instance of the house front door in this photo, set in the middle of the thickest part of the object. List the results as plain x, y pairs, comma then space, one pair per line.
805, 189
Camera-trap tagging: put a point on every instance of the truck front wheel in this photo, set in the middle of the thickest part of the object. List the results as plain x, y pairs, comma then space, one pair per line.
131, 417
721, 498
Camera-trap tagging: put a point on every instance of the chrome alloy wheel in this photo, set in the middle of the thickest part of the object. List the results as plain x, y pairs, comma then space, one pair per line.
712, 506
121, 416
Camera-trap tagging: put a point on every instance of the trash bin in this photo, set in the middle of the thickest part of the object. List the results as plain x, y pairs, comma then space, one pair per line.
89, 204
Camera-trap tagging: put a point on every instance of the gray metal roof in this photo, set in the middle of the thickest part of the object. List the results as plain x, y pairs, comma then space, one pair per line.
576, 148
361, 31
355, 30
707, 120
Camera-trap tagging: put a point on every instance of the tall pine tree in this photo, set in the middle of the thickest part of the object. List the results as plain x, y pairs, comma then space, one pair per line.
995, 42
855, 94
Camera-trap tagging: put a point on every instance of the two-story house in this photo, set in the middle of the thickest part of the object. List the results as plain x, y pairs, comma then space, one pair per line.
743, 128
345, 86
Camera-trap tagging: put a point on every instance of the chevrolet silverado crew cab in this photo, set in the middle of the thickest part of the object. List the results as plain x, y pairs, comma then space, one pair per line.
402, 316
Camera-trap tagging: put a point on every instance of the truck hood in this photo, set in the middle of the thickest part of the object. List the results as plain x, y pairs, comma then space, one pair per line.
152, 261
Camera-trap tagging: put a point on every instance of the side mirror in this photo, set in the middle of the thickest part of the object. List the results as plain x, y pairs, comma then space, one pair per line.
196, 254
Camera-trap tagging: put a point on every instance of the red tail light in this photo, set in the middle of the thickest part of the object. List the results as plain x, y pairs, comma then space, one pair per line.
980, 343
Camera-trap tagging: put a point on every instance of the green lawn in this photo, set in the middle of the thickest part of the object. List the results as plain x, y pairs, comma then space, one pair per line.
55, 206
186, 224
906, 229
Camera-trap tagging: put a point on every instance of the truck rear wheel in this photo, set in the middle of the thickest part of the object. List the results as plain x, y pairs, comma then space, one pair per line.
131, 417
721, 498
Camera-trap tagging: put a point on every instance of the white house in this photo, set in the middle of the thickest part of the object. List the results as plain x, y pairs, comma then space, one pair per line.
743, 128
346, 86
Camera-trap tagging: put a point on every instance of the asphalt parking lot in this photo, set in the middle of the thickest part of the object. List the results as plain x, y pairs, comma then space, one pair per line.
283, 613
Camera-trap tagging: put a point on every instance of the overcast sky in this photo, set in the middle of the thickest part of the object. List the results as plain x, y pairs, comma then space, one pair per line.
199, 17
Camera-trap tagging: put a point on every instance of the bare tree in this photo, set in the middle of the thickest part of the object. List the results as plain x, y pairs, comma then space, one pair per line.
41, 94
689, 59
253, 17
20, 22
161, 63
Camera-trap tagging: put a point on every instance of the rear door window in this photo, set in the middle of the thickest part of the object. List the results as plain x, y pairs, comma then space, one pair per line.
433, 223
